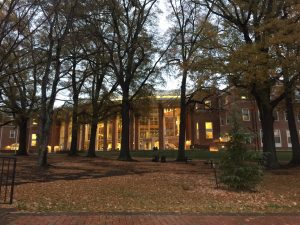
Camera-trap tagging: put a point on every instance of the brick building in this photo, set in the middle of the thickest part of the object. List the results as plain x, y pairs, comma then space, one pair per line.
158, 126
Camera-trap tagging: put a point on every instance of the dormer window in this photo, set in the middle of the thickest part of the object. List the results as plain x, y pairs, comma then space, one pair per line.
207, 104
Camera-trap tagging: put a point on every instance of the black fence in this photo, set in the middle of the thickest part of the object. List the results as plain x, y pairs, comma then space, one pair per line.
7, 179
213, 165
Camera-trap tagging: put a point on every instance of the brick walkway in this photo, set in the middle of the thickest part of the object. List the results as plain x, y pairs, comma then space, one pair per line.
152, 219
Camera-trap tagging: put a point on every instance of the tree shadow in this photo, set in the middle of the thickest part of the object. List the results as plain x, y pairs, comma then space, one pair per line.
75, 168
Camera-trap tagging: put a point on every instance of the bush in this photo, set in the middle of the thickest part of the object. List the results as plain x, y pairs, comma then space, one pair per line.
240, 167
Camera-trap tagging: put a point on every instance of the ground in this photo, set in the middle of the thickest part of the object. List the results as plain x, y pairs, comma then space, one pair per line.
80, 184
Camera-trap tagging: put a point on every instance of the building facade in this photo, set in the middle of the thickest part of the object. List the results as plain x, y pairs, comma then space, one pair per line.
158, 126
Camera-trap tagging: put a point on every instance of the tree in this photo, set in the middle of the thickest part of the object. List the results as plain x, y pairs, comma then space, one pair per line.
18, 94
286, 47
102, 84
130, 45
59, 18
19, 66
78, 74
193, 33
249, 61
239, 166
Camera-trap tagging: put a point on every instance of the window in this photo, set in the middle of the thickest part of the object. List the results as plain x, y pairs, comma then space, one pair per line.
285, 115
33, 140
209, 130
297, 95
34, 122
227, 119
143, 120
243, 97
197, 130
277, 137
275, 115
154, 120
245, 115
226, 100
288, 136
12, 134
221, 121
207, 104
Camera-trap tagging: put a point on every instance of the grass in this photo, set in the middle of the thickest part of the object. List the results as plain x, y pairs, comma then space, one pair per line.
283, 156
73, 184
170, 154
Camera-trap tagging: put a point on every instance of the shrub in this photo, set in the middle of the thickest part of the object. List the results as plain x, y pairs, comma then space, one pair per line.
240, 167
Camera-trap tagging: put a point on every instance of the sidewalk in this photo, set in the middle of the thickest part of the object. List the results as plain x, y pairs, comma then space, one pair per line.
147, 219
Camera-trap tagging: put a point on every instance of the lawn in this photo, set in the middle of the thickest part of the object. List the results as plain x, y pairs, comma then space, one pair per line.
107, 185
283, 156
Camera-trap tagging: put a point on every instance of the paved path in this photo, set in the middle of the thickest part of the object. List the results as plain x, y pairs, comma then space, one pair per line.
151, 219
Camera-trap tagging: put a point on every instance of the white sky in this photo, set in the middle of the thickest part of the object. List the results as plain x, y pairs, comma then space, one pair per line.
171, 82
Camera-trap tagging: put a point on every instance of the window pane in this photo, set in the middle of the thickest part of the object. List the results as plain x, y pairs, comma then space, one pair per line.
208, 125
209, 130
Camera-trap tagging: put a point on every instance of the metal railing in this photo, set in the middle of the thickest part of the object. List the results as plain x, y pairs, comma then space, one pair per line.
213, 165
7, 179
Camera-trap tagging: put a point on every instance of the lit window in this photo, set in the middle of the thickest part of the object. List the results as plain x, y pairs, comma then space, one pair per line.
34, 122
243, 97
245, 114
207, 104
33, 140
12, 134
209, 130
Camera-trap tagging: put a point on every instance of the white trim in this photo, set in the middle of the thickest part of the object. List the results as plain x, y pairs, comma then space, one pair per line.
287, 139
277, 115
248, 114
14, 134
280, 143
1, 137
285, 115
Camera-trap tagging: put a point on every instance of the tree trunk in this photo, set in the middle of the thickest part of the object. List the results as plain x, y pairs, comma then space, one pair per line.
125, 151
182, 126
74, 141
43, 138
22, 124
268, 139
92, 145
293, 131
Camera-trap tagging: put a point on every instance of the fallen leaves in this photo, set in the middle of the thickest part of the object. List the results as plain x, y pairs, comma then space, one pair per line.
81, 184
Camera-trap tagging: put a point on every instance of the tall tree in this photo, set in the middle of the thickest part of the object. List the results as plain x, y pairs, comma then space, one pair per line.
286, 48
18, 64
59, 17
193, 33
78, 74
130, 45
250, 64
